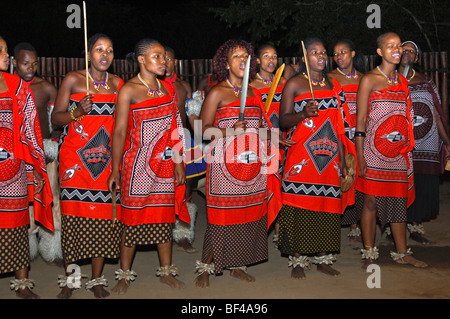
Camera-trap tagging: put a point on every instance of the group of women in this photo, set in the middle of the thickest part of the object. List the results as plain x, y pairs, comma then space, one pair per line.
122, 175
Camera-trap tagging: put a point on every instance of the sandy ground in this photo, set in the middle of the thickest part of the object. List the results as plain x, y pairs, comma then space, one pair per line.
273, 282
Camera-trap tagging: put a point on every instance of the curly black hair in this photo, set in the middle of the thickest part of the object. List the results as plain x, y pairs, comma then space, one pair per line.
221, 58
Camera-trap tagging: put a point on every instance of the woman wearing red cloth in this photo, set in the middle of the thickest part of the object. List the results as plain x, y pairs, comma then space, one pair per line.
350, 65
267, 59
20, 145
236, 180
87, 227
313, 167
384, 142
147, 165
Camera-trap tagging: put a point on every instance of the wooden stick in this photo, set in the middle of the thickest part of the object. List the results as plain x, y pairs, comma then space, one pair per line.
307, 70
86, 47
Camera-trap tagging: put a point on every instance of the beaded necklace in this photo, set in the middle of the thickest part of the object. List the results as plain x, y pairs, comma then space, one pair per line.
389, 80
315, 83
348, 76
237, 91
98, 84
151, 92
412, 76
266, 82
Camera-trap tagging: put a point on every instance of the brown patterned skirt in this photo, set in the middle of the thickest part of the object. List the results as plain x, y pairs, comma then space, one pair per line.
83, 238
389, 209
14, 249
308, 232
236, 245
148, 234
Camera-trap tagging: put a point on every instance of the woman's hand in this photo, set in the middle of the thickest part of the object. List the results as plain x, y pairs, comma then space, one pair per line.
114, 180
179, 174
39, 180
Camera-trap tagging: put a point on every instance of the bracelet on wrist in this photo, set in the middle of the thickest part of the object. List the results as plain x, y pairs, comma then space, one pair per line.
73, 117
360, 134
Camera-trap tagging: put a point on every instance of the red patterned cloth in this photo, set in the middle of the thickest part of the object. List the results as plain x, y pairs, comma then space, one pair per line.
388, 144
20, 144
85, 159
236, 178
311, 171
148, 193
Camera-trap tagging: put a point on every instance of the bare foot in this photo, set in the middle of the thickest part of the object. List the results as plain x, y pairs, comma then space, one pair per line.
99, 292
171, 281
185, 245
242, 275
410, 260
65, 293
202, 281
298, 273
121, 287
26, 293
328, 270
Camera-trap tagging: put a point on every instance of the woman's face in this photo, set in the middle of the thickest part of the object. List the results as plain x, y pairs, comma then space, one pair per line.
4, 56
391, 49
409, 54
237, 58
154, 59
268, 59
343, 55
101, 54
317, 56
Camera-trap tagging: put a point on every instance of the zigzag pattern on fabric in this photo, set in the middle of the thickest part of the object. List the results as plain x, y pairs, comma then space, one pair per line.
311, 189
86, 195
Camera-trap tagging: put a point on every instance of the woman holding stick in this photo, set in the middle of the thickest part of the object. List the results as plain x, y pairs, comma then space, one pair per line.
87, 225
309, 220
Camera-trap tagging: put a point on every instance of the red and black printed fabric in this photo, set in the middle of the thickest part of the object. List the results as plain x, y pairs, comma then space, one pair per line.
85, 159
350, 92
273, 114
388, 144
148, 192
311, 170
428, 156
236, 179
21, 144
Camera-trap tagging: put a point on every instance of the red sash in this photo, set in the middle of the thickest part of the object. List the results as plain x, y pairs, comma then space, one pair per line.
148, 194
236, 182
388, 144
28, 146
310, 179
85, 160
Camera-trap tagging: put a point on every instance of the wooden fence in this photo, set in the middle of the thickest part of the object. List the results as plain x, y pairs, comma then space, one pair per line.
434, 64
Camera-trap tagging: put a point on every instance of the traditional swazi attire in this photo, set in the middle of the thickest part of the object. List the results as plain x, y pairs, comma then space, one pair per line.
20, 145
351, 215
312, 198
388, 152
428, 154
84, 168
236, 192
149, 198
272, 121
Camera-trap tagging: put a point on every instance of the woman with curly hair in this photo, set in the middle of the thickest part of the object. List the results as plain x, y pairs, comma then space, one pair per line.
236, 182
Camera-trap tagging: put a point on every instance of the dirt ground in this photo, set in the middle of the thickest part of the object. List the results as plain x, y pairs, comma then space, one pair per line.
273, 282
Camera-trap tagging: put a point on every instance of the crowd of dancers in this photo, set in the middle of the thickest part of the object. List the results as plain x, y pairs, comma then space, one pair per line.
99, 166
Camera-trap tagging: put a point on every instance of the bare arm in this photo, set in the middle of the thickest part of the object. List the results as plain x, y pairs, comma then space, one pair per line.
288, 117
362, 105
60, 114
119, 134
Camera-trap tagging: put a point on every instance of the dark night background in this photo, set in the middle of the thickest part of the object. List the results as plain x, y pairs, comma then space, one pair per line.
195, 32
